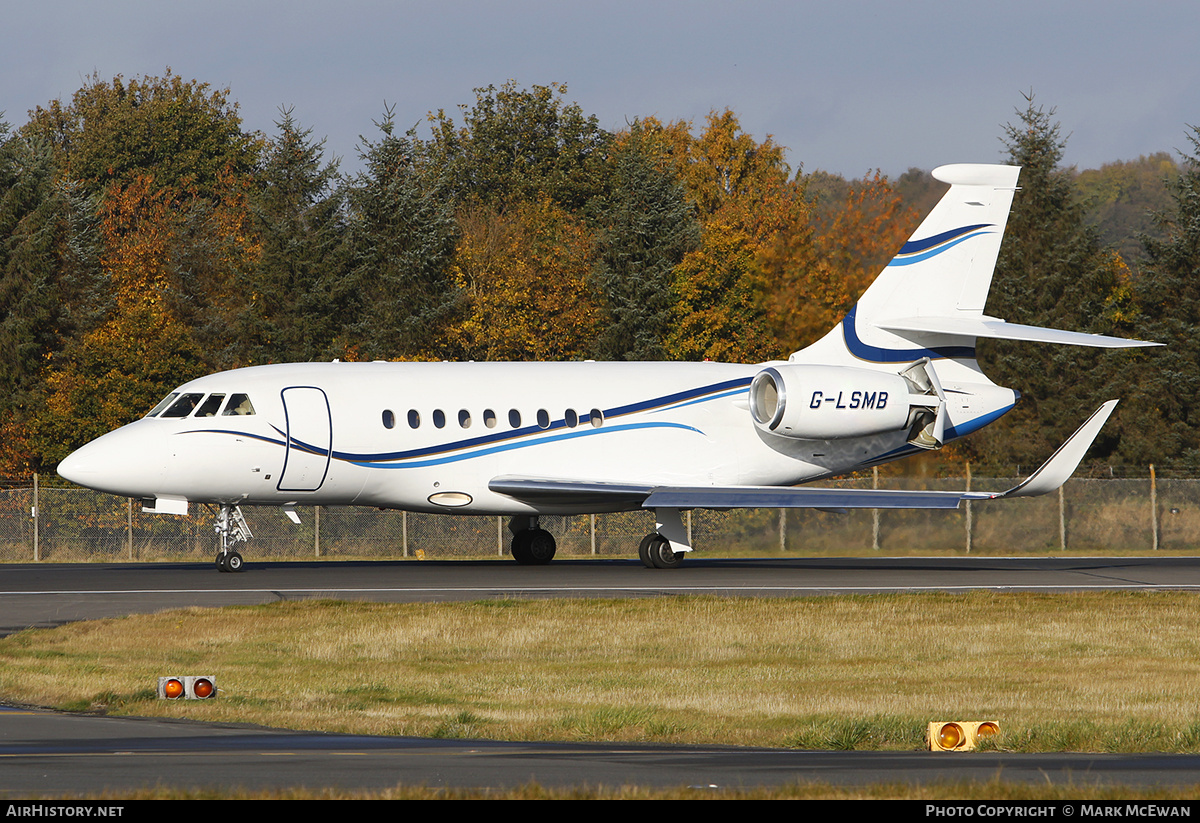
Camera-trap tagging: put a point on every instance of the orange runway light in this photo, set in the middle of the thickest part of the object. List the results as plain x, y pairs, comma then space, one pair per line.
959, 735
191, 687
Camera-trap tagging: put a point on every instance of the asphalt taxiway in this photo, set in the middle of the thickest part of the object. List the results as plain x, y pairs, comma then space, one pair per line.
49, 594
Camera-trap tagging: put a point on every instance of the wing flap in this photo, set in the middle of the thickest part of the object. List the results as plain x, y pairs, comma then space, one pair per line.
559, 492
797, 497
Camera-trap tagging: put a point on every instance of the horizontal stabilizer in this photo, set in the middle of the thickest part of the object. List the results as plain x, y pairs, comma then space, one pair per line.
997, 329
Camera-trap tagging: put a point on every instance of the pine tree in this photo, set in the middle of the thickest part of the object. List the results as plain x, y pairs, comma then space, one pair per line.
1165, 388
296, 301
47, 273
1052, 271
645, 225
402, 235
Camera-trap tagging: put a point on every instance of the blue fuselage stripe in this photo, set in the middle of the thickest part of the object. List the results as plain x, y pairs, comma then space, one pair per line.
878, 354
517, 438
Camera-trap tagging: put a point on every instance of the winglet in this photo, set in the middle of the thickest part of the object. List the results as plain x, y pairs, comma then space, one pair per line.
1062, 464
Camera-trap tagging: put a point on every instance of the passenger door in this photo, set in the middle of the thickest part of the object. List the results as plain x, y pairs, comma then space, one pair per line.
309, 439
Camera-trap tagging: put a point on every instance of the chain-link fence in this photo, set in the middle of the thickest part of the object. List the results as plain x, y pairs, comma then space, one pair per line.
68, 525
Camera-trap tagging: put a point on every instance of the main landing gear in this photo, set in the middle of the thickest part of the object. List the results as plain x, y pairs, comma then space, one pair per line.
534, 546
531, 544
234, 531
655, 553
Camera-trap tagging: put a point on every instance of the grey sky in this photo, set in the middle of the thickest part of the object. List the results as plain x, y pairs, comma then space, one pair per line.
846, 87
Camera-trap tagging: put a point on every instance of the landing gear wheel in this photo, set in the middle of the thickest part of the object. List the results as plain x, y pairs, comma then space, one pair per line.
533, 547
233, 530
229, 562
657, 549
644, 550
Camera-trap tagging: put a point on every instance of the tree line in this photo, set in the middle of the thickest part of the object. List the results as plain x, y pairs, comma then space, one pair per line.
149, 238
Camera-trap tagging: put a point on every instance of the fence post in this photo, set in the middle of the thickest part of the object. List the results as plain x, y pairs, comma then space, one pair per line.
783, 530
316, 531
35, 513
875, 512
499, 536
1153, 509
1062, 518
968, 512
404, 532
593, 525
129, 524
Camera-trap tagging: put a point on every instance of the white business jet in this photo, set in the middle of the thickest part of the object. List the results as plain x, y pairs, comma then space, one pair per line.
898, 375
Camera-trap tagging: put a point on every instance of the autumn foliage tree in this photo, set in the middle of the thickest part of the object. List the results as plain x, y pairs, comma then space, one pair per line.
826, 265
523, 275
747, 204
118, 370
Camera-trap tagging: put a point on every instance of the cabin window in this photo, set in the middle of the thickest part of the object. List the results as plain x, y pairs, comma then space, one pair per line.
489, 418
543, 418
166, 401
414, 419
211, 406
389, 419
238, 405
439, 418
514, 418
596, 418
464, 418
571, 418
183, 406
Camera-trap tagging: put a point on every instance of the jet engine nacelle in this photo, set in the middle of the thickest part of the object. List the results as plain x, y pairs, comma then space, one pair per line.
828, 402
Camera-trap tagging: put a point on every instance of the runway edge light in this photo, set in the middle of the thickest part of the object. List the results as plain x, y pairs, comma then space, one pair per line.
959, 735
188, 687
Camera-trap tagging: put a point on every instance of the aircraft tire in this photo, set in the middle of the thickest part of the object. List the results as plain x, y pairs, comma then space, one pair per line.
661, 554
233, 562
520, 548
533, 547
542, 546
220, 562
644, 550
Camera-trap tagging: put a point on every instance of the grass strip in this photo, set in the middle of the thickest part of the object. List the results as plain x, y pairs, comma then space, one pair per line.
1097, 671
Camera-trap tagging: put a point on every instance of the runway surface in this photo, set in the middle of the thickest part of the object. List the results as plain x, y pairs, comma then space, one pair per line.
51, 594
44, 753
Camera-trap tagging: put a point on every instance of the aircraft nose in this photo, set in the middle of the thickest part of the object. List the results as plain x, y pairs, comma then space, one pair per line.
121, 462
92, 465
78, 466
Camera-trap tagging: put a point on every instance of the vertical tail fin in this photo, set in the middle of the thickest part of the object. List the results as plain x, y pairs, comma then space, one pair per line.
928, 301
946, 267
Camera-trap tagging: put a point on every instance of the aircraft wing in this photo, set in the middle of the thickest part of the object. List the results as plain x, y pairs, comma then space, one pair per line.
1052, 474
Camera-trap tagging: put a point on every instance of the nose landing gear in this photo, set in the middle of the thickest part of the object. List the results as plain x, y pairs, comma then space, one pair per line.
234, 531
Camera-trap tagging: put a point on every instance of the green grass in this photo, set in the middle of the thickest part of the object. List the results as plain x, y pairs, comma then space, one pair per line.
1067, 672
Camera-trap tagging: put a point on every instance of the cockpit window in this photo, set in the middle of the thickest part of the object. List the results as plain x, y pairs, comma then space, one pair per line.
183, 406
211, 406
238, 404
166, 401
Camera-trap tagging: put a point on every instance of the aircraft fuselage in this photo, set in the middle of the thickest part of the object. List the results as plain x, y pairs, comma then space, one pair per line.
430, 436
